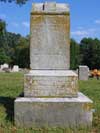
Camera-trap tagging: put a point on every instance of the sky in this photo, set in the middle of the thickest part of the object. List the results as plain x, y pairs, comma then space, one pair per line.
84, 17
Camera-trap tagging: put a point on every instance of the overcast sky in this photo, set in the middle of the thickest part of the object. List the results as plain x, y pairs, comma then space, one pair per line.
85, 17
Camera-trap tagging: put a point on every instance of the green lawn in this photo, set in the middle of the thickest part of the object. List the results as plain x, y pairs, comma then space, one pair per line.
11, 85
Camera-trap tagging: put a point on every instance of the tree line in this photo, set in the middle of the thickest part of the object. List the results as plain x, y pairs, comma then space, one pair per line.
14, 50
87, 52
19, 2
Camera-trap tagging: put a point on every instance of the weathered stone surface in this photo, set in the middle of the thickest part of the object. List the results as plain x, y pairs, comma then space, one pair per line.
51, 83
49, 42
83, 72
50, 7
53, 112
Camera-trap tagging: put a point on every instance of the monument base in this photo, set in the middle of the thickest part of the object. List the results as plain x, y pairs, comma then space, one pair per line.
53, 112
50, 83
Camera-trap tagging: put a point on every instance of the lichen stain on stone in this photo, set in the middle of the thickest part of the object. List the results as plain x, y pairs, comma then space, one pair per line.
35, 20
87, 106
63, 86
52, 33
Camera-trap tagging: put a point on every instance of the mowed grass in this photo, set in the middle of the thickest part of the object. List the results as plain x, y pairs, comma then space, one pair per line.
91, 88
11, 86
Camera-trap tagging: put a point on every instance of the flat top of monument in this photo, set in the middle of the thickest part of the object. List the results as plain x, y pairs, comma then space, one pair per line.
52, 73
50, 7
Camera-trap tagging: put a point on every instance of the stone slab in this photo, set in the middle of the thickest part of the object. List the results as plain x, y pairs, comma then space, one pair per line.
83, 72
50, 83
53, 112
49, 40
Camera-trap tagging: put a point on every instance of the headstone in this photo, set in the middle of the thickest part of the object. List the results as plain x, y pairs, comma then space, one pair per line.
15, 68
83, 72
4, 66
51, 96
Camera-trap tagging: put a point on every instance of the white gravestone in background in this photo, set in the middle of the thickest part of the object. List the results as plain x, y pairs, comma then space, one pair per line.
4, 66
83, 72
15, 68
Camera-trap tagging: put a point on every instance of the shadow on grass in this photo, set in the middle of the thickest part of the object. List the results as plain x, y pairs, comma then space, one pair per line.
8, 103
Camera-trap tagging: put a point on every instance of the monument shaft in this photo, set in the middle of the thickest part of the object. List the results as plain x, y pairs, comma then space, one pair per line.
49, 44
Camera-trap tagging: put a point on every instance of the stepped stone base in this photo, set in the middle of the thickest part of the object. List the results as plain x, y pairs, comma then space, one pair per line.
51, 83
53, 112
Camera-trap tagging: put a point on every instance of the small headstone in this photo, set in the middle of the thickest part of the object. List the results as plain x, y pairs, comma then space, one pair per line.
83, 72
15, 68
4, 66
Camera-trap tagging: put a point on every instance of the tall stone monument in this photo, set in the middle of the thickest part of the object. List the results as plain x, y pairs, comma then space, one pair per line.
51, 96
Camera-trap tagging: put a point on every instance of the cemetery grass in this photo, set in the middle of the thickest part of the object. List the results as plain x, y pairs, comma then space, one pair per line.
11, 85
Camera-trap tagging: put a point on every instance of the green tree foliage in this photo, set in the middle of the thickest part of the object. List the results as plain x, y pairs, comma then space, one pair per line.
3, 57
90, 52
14, 49
2, 27
74, 54
11, 43
22, 53
87, 52
20, 2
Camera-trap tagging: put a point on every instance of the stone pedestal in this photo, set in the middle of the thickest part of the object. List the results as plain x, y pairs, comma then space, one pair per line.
51, 95
52, 100
51, 83
53, 112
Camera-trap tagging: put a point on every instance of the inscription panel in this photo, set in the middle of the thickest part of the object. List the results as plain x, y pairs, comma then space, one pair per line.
39, 86
49, 42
